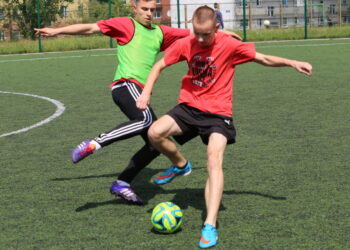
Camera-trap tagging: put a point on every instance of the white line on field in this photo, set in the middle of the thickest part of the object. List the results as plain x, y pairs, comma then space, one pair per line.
59, 111
302, 45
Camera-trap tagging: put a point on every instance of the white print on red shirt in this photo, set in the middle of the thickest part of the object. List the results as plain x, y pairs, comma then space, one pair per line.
203, 71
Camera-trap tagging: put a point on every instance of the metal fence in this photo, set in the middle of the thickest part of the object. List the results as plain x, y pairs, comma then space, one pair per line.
237, 14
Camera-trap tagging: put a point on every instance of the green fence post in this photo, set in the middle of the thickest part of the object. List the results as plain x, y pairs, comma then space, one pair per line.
306, 17
110, 15
39, 26
244, 22
178, 13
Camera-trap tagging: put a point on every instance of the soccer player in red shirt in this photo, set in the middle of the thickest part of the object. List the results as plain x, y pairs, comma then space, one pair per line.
138, 41
205, 104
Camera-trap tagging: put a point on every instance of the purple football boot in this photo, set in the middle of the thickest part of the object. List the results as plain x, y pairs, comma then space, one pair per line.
82, 150
126, 192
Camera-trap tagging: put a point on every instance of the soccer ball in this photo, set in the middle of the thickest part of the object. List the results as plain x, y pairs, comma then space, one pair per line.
166, 217
266, 23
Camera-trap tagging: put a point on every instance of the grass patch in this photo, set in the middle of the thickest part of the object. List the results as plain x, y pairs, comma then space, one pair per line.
69, 43
297, 33
286, 179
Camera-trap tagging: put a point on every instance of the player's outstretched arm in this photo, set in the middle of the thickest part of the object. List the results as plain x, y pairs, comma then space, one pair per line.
75, 29
275, 61
144, 99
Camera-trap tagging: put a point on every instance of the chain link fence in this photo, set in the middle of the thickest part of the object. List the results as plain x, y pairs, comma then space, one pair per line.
242, 15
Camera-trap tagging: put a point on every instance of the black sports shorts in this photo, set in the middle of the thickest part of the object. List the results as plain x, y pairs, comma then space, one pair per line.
195, 122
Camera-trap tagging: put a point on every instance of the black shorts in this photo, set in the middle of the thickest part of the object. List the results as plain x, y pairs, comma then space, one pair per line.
194, 122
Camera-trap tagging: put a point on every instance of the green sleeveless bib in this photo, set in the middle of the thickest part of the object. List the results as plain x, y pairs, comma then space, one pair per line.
137, 57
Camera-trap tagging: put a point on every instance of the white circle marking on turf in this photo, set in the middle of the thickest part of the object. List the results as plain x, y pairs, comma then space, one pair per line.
59, 111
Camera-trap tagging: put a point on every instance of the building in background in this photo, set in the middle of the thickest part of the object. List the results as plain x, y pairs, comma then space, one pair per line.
279, 13
177, 13
181, 14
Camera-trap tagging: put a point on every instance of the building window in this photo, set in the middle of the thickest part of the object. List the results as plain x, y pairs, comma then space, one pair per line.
270, 10
241, 3
15, 35
246, 23
258, 2
284, 3
295, 20
81, 10
158, 1
332, 9
2, 35
157, 13
285, 22
2, 15
346, 19
259, 22
64, 11
320, 20
344, 2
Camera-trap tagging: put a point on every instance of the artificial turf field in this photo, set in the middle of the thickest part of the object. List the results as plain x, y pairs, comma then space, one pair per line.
286, 179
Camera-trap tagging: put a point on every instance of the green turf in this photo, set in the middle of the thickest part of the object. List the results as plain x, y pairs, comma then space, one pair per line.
286, 178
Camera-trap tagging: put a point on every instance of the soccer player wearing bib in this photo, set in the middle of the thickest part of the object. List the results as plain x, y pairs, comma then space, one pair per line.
205, 103
138, 44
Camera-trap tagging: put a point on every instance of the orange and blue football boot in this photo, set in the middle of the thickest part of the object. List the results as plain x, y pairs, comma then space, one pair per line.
172, 172
209, 236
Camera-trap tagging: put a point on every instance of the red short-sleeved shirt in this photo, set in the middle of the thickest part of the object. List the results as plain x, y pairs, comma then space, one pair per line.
122, 29
208, 84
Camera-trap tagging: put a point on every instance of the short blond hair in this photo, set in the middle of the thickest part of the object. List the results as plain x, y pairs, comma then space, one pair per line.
204, 14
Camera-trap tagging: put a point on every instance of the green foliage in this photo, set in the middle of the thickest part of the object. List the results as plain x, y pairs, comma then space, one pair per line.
25, 13
99, 10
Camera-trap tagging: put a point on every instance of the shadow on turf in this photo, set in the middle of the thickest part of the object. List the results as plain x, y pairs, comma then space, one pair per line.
184, 197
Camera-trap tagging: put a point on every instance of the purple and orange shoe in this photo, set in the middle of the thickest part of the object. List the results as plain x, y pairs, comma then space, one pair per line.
127, 193
83, 150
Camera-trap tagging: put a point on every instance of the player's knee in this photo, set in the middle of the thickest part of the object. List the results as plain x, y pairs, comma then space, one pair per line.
154, 132
214, 161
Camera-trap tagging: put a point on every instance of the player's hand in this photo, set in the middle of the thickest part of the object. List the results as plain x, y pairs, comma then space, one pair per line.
236, 36
46, 32
303, 67
143, 101
232, 34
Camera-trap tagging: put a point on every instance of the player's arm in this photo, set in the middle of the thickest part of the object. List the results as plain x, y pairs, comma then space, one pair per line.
75, 29
275, 61
144, 99
231, 33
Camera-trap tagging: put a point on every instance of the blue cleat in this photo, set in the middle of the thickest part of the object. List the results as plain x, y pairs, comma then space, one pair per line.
209, 236
173, 171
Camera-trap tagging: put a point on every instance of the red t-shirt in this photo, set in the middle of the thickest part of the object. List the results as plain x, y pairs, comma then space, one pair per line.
122, 29
208, 84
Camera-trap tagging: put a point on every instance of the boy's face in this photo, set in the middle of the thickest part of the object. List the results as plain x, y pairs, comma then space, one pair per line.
205, 33
144, 11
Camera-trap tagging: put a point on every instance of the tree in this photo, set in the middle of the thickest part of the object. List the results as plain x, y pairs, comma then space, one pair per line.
99, 9
8, 17
24, 13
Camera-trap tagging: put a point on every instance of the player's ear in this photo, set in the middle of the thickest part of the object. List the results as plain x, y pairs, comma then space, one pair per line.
133, 4
217, 26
